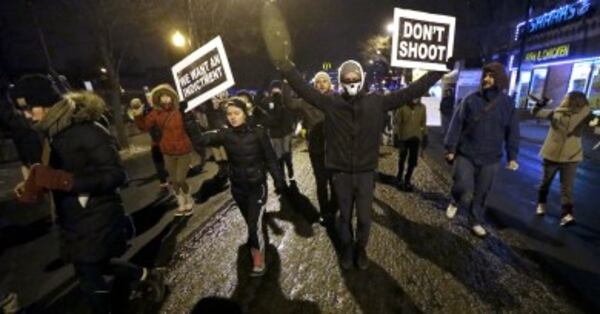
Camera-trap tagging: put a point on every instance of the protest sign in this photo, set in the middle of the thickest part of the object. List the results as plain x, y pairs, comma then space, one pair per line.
203, 74
422, 40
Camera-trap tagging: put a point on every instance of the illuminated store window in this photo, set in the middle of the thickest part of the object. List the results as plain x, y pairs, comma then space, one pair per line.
523, 88
538, 81
580, 76
594, 89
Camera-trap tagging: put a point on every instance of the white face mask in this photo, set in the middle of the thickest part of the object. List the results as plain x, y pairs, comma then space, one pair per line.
352, 89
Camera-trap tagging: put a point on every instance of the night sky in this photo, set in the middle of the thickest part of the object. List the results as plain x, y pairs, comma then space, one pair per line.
324, 30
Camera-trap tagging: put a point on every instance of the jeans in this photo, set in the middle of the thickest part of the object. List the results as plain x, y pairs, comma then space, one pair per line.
251, 200
95, 288
354, 190
567, 170
410, 149
472, 183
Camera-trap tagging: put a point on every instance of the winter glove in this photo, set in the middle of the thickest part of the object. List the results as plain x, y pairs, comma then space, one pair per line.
28, 192
451, 63
280, 187
53, 179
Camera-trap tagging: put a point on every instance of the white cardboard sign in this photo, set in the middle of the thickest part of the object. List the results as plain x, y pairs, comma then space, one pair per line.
203, 74
422, 40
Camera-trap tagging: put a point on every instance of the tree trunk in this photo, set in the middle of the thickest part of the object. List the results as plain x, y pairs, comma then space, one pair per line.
114, 98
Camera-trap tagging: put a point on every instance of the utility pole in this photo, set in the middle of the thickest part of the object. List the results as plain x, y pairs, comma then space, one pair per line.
42, 39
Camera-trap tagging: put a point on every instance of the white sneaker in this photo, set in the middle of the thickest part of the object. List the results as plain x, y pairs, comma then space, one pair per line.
566, 219
540, 209
451, 211
479, 231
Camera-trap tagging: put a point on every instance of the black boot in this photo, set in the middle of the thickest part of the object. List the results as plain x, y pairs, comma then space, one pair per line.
152, 288
362, 260
346, 258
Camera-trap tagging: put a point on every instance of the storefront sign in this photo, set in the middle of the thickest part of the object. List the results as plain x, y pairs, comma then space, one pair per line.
422, 40
548, 54
203, 74
566, 13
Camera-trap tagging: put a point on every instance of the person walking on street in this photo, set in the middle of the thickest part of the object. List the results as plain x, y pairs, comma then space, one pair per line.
353, 125
410, 132
280, 123
562, 150
82, 170
175, 143
447, 109
483, 124
155, 134
250, 156
314, 119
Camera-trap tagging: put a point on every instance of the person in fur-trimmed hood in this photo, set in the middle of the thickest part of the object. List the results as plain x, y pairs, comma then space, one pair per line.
562, 150
82, 170
175, 143
483, 126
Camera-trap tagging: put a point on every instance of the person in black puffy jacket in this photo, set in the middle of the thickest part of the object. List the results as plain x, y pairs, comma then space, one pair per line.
250, 154
83, 173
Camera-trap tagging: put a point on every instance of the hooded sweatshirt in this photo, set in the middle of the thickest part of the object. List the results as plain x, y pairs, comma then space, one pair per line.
175, 140
482, 136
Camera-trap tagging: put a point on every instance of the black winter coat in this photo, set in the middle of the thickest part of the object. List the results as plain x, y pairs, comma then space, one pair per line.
353, 126
276, 117
249, 152
95, 232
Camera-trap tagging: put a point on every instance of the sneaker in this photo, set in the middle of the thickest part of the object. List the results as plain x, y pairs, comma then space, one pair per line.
258, 263
164, 185
566, 220
479, 231
151, 287
451, 211
362, 260
540, 209
346, 258
183, 212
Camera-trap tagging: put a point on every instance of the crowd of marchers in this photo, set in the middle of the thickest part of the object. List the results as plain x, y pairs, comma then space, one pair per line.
71, 159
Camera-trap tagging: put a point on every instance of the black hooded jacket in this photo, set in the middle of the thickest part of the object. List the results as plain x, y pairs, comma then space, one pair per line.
276, 117
353, 124
249, 152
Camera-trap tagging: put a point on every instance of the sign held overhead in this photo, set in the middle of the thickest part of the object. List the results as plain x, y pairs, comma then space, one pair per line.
203, 74
422, 40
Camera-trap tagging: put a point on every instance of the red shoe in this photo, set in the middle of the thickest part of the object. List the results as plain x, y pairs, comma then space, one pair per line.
258, 263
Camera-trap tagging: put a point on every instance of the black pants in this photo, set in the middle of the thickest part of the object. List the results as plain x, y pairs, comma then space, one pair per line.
94, 286
567, 170
251, 200
286, 162
471, 186
354, 191
159, 163
316, 152
410, 149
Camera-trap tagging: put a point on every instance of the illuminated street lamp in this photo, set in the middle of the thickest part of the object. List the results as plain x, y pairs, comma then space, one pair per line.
103, 70
390, 28
178, 40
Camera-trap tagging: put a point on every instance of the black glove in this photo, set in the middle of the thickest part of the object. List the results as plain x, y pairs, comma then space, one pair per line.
450, 63
280, 188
